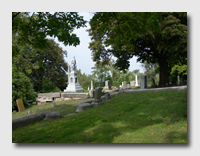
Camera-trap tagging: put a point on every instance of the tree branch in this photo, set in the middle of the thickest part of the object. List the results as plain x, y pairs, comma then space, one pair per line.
15, 15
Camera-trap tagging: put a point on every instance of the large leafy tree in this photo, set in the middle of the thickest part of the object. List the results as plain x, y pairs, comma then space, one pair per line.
34, 27
38, 63
153, 37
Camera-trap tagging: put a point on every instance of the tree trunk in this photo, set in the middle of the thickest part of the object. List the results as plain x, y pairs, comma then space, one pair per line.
163, 74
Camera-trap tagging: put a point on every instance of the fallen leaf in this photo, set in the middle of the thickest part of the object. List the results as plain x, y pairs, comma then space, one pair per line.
83, 134
152, 133
100, 127
50, 141
102, 142
114, 138
169, 126
185, 125
90, 120
183, 141
28, 126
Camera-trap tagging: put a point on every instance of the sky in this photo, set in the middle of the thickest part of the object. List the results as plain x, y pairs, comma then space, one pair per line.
83, 54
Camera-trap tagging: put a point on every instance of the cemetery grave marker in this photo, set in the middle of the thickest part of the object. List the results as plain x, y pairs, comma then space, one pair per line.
20, 105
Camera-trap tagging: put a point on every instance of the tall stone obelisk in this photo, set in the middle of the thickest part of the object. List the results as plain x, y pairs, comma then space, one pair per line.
73, 85
136, 83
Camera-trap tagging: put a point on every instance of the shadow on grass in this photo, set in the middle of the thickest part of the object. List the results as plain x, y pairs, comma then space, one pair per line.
115, 121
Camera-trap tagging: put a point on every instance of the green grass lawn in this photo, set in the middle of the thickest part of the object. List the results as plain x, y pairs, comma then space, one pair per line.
140, 117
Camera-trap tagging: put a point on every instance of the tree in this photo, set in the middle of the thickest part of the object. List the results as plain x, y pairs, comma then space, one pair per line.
21, 88
100, 74
84, 80
33, 28
153, 37
151, 72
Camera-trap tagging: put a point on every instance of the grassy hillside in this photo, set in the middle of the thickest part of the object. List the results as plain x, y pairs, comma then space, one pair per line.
142, 117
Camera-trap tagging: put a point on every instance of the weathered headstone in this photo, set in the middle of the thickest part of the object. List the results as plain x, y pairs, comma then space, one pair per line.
107, 85
124, 85
143, 84
53, 103
178, 80
107, 96
83, 106
97, 97
136, 81
20, 105
29, 112
132, 83
40, 108
153, 84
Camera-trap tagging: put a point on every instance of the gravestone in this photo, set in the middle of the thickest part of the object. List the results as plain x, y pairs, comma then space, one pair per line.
124, 85
20, 105
40, 108
136, 81
53, 103
92, 88
132, 83
107, 96
178, 80
153, 84
91, 93
73, 85
143, 84
83, 106
107, 85
97, 97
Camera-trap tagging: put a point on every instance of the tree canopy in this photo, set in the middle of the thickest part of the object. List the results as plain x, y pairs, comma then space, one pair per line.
34, 27
38, 63
153, 37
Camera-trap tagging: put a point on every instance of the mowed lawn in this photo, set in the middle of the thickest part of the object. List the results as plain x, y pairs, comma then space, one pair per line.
140, 117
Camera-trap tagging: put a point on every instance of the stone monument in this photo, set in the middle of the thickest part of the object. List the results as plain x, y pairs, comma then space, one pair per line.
97, 97
143, 84
136, 81
132, 83
107, 85
178, 80
73, 85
